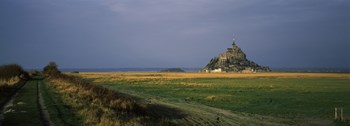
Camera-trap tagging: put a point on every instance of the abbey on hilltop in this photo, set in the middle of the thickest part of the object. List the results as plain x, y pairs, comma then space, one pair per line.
233, 60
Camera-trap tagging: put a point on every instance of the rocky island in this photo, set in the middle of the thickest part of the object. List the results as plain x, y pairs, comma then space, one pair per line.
233, 60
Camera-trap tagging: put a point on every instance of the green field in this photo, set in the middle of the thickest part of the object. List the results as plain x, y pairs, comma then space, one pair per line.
181, 99
297, 99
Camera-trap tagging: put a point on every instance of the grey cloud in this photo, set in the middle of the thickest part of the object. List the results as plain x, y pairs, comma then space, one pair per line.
170, 33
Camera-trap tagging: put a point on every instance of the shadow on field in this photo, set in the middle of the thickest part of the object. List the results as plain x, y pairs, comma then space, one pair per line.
161, 111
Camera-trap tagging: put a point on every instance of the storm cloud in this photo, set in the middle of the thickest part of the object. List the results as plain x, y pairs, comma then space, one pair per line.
173, 33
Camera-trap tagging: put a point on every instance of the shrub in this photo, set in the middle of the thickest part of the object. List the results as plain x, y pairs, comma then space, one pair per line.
51, 69
10, 71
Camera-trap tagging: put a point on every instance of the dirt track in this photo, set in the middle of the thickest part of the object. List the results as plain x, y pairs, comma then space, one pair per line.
24, 104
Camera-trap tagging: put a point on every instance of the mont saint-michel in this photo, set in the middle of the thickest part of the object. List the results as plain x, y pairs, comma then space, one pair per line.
233, 60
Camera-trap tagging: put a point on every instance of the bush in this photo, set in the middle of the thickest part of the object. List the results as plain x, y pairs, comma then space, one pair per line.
51, 69
11, 70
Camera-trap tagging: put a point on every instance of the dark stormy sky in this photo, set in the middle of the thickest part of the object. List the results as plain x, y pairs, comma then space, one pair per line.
173, 33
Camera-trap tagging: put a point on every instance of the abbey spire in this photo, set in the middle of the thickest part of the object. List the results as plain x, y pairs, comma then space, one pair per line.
233, 40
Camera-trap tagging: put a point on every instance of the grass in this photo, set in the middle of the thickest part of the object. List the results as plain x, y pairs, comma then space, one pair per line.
9, 82
60, 113
301, 97
24, 111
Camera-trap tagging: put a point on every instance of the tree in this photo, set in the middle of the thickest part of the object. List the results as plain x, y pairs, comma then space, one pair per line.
51, 69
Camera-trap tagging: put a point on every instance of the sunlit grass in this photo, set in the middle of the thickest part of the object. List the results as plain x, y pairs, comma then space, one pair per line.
113, 76
299, 96
100, 106
10, 81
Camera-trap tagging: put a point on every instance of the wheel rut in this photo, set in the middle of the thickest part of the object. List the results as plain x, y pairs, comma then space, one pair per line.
44, 113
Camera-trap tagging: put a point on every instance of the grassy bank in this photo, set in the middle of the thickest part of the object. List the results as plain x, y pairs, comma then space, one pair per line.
12, 77
96, 105
61, 114
8, 89
297, 96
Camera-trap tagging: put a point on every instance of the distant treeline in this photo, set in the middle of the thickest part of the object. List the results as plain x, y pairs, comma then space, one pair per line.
123, 69
11, 70
172, 70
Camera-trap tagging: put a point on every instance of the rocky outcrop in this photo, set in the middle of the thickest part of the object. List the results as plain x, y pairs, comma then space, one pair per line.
233, 60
